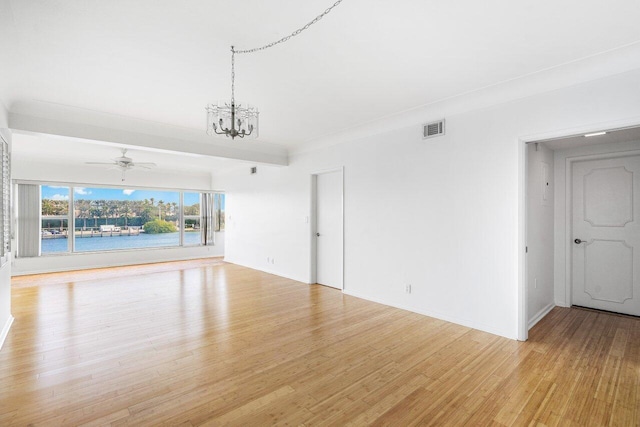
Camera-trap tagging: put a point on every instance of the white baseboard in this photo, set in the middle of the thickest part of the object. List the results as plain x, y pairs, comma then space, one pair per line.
15, 272
5, 330
539, 315
464, 322
266, 270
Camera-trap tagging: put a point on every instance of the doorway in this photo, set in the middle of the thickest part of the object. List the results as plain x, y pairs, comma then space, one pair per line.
557, 270
328, 230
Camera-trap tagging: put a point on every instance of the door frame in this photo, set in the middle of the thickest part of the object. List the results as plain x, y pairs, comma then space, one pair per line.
568, 214
522, 294
313, 223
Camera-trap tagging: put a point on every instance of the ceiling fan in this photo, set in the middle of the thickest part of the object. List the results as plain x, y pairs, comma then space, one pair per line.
124, 163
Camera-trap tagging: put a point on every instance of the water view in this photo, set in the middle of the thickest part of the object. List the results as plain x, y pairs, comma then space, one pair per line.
91, 244
105, 219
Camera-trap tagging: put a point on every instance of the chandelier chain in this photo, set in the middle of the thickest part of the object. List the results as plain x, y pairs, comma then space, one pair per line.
234, 120
233, 76
295, 33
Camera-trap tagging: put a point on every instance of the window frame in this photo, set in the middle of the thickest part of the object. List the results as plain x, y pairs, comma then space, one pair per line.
72, 217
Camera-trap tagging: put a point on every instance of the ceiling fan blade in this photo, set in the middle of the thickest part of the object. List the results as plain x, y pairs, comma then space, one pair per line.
124, 163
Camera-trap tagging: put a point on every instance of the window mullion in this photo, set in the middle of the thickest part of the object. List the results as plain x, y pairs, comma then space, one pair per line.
181, 217
71, 222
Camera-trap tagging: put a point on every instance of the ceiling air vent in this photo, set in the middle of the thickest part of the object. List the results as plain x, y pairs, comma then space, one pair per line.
433, 129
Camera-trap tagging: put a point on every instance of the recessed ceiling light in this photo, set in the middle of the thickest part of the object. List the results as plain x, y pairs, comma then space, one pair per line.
595, 134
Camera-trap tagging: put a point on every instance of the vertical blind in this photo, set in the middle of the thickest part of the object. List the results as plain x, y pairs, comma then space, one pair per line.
208, 213
28, 220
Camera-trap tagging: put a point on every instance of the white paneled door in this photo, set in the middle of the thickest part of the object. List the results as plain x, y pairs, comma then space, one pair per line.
328, 235
606, 234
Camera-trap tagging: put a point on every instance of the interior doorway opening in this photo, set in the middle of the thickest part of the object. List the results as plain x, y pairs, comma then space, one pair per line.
555, 211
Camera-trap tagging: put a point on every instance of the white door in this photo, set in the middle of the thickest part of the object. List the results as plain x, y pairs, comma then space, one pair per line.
329, 229
606, 234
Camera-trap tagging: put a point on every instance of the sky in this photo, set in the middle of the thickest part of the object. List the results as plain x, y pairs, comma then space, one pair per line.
62, 193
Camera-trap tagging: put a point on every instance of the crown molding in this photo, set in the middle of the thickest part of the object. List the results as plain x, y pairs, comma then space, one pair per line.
595, 67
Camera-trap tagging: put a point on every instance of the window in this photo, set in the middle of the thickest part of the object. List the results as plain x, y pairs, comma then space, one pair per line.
191, 218
54, 227
58, 219
117, 218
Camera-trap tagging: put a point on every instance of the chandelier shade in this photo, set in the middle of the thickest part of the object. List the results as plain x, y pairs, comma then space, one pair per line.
234, 119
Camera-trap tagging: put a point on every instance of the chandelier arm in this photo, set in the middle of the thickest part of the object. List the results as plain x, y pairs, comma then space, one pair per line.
295, 33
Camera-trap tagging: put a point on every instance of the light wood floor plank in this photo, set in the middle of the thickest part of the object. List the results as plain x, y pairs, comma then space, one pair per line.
210, 343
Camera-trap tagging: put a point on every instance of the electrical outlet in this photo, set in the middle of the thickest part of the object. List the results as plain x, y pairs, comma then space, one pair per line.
407, 288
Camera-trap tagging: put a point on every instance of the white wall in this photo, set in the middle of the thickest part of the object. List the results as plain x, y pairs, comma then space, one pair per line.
5, 270
6, 319
540, 234
4, 115
445, 215
563, 241
266, 217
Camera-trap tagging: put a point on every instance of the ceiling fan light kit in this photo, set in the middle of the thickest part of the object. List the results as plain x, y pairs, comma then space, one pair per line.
234, 119
124, 163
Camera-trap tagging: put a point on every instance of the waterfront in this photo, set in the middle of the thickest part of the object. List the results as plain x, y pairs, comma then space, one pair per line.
115, 242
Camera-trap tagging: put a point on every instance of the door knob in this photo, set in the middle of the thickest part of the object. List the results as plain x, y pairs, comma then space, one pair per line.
578, 241
318, 234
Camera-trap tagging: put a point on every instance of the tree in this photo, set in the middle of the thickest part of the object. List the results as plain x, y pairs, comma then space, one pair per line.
158, 226
112, 210
192, 210
98, 211
160, 207
84, 210
52, 207
47, 207
126, 210
147, 213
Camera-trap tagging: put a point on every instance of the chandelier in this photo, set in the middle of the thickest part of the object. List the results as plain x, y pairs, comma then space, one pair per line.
236, 119
231, 119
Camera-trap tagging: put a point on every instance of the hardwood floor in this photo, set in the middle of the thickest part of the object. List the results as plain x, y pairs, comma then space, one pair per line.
210, 343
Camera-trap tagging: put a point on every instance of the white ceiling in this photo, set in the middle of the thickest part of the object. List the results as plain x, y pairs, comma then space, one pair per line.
164, 60
611, 137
